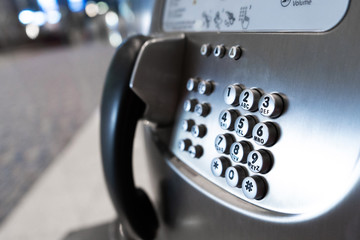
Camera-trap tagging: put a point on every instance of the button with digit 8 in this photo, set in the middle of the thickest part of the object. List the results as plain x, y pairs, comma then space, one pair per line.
223, 143
219, 166
249, 99
239, 151
271, 105
227, 119
265, 134
254, 187
234, 176
231, 94
259, 161
244, 126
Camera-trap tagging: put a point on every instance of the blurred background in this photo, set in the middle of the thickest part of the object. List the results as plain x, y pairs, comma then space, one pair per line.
54, 55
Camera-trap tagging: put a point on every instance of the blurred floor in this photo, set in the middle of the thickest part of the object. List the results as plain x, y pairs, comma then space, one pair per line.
45, 96
69, 196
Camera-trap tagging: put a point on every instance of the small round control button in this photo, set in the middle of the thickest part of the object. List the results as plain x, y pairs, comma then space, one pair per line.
189, 105
227, 119
235, 52
234, 176
219, 51
195, 151
205, 49
187, 124
244, 126
259, 161
254, 187
249, 99
223, 143
205, 87
192, 84
219, 166
202, 109
231, 94
239, 151
184, 144
198, 131
265, 134
271, 105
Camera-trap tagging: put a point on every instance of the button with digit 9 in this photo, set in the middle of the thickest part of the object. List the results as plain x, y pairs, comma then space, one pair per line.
265, 134
234, 176
259, 161
271, 105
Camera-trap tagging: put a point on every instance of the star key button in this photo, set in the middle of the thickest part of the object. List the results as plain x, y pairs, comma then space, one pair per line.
219, 166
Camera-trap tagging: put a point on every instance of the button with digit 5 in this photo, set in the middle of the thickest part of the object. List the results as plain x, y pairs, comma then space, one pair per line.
244, 126
265, 134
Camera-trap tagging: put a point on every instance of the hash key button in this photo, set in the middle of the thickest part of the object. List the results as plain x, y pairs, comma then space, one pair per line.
254, 187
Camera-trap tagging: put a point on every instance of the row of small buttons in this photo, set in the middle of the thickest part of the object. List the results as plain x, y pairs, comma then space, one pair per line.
236, 176
204, 87
195, 151
220, 50
197, 131
269, 105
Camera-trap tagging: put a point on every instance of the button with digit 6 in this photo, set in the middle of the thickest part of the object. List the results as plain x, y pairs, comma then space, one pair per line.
265, 134
234, 176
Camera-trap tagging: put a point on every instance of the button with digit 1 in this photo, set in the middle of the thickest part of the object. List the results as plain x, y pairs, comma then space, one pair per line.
219, 166
227, 119
231, 94
259, 161
223, 143
271, 105
265, 134
234, 176
239, 151
249, 99
244, 126
254, 187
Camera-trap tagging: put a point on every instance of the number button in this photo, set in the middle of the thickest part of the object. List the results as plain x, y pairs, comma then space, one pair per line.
235, 52
249, 99
259, 161
265, 134
254, 187
205, 49
219, 51
234, 176
244, 126
271, 105
231, 94
192, 84
184, 144
239, 151
189, 105
205, 87
202, 109
219, 166
198, 131
227, 119
223, 143
195, 151
186, 125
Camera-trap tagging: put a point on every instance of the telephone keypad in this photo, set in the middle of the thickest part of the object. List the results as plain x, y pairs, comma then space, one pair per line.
249, 99
254, 187
235, 175
239, 151
219, 166
265, 134
271, 105
231, 94
227, 119
244, 126
223, 143
259, 161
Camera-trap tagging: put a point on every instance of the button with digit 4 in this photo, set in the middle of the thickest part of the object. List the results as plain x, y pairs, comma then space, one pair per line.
265, 134
219, 166
254, 187
235, 175
223, 143
205, 87
239, 151
202, 109
192, 84
259, 161
198, 131
189, 105
231, 94
244, 126
227, 119
195, 151
249, 99
271, 105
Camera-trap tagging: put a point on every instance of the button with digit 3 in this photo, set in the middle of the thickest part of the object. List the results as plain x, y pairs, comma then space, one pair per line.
265, 134
271, 105
234, 176
259, 161
223, 143
231, 94
249, 99
192, 84
219, 166
254, 187
195, 151
244, 126
227, 119
239, 151
205, 87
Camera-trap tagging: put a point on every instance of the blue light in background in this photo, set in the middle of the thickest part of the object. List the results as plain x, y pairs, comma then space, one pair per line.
48, 5
76, 5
